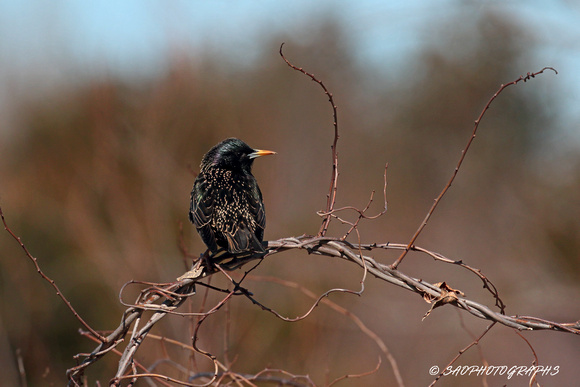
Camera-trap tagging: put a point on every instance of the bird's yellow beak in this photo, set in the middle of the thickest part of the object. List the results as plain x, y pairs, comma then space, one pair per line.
260, 152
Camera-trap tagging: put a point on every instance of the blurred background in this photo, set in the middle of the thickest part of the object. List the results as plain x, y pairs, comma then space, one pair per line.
106, 109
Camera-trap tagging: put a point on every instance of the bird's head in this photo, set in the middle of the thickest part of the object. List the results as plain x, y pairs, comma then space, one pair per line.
232, 154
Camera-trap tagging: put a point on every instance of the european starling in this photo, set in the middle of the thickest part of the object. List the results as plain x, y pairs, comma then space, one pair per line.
226, 202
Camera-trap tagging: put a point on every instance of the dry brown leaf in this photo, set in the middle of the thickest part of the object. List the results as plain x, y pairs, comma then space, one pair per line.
448, 296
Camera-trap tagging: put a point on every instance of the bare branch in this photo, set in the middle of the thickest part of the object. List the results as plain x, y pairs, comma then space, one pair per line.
331, 197
460, 162
342, 249
50, 281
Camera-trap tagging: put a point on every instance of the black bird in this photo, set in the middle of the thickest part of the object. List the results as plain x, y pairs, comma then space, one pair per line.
226, 202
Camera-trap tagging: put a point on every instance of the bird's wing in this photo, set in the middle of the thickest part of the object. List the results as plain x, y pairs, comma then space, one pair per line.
247, 234
259, 214
201, 208
257, 210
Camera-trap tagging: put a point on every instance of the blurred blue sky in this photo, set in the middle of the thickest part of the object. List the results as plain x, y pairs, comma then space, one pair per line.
43, 43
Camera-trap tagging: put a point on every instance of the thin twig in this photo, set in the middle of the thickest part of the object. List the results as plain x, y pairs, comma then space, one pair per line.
474, 342
339, 309
460, 162
331, 197
50, 281
349, 376
536, 360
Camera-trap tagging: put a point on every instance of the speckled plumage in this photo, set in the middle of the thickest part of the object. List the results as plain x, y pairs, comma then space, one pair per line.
226, 202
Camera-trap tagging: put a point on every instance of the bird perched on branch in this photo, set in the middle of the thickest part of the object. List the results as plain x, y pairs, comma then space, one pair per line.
226, 202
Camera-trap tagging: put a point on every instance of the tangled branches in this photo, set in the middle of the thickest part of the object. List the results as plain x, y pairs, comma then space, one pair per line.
157, 301
173, 295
